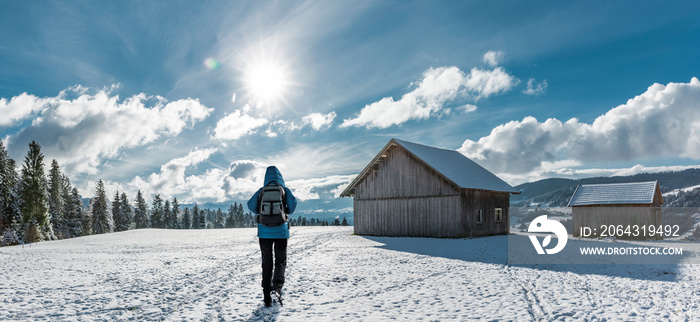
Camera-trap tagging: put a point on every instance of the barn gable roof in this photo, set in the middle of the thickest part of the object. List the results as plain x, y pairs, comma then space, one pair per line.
615, 194
452, 165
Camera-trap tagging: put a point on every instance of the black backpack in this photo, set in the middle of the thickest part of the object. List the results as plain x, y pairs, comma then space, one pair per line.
272, 205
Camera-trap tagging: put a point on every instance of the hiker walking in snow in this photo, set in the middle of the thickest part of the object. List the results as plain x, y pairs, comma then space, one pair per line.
273, 203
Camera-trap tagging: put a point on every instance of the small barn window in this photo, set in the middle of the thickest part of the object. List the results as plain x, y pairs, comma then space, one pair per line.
499, 214
479, 216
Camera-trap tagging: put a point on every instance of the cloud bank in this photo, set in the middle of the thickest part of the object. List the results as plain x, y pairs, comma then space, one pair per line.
171, 179
237, 124
82, 130
240, 181
438, 88
664, 121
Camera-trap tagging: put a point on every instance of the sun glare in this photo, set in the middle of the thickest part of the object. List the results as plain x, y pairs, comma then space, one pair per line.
266, 83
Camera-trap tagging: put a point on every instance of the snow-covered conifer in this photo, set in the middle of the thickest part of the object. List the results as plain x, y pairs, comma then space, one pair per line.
157, 212
102, 221
175, 214
218, 219
34, 196
166, 214
141, 218
186, 219
125, 214
231, 216
74, 214
197, 223
56, 201
9, 205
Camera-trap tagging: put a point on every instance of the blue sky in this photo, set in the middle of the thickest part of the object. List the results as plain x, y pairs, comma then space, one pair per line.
195, 99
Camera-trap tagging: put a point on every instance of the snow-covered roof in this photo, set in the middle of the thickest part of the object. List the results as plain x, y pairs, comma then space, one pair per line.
452, 165
615, 194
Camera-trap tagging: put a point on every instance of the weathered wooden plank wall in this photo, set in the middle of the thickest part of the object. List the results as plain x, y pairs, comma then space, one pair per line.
416, 217
487, 202
401, 175
403, 197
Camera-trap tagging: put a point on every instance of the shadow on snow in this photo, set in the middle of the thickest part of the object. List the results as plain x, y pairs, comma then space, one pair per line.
495, 250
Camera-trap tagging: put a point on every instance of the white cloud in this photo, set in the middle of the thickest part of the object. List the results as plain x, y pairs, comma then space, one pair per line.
318, 121
493, 58
307, 189
662, 122
239, 181
171, 179
237, 124
244, 178
534, 88
439, 87
489, 82
82, 131
21, 107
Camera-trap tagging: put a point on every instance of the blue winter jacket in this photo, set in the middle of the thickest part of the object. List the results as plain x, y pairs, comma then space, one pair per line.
282, 231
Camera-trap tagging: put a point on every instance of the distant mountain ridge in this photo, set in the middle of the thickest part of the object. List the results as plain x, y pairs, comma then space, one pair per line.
556, 192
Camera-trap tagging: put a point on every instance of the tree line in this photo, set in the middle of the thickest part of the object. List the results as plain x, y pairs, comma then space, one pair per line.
35, 206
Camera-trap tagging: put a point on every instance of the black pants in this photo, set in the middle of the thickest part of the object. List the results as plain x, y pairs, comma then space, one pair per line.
268, 278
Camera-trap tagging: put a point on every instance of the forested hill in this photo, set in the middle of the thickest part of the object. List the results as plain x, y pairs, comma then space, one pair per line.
556, 192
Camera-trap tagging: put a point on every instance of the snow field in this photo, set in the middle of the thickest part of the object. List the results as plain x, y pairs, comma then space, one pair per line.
331, 275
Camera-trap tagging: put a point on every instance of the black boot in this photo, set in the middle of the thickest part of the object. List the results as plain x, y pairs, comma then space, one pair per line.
267, 298
277, 288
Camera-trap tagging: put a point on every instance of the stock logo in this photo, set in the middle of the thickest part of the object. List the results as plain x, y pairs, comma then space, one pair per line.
543, 225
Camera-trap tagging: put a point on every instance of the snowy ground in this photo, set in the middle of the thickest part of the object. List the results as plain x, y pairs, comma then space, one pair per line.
332, 275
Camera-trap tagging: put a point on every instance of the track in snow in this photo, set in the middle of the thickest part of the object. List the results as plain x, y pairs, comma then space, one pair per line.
331, 274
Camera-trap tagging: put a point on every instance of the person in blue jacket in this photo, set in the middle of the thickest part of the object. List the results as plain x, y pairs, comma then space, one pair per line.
273, 237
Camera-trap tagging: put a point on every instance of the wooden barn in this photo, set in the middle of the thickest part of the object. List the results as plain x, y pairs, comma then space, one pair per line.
625, 204
414, 190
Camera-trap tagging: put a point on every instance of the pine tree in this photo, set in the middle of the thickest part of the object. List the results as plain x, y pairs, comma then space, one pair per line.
231, 216
210, 217
186, 219
102, 221
66, 194
345, 222
126, 214
9, 203
175, 214
240, 216
166, 215
141, 218
116, 210
121, 211
203, 215
195, 217
86, 221
34, 196
74, 214
56, 202
219, 219
157, 212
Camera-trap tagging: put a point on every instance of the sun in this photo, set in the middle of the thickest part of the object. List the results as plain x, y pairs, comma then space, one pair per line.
267, 83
